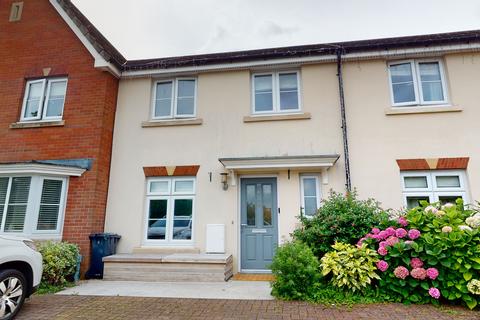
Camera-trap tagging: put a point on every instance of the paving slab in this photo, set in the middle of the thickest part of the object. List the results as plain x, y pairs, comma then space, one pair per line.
245, 290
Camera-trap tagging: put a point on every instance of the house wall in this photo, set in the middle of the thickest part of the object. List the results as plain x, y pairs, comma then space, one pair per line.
377, 140
40, 40
223, 101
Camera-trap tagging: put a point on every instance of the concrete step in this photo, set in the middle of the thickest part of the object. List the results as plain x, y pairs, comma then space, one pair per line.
168, 267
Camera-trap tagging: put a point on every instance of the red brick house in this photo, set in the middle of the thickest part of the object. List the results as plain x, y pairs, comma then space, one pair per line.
58, 83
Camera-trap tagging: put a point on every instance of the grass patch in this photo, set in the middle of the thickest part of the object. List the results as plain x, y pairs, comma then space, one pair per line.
46, 288
326, 294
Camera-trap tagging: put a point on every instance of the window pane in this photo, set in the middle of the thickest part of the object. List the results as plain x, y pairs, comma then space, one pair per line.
184, 186
448, 181
163, 102
288, 82
34, 97
56, 99
448, 199
429, 71
415, 182
3, 195
310, 206
185, 106
288, 100
251, 204
157, 219
159, 187
309, 187
182, 219
186, 88
413, 202
432, 91
263, 93
401, 73
17, 204
403, 92
267, 204
49, 205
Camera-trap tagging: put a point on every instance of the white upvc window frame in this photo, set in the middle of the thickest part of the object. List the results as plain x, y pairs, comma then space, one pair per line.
276, 93
170, 196
419, 101
33, 207
174, 102
43, 103
302, 192
432, 191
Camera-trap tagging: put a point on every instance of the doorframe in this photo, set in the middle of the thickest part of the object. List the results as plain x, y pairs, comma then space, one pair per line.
239, 218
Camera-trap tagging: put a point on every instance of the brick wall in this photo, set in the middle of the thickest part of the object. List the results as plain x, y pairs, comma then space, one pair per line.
41, 39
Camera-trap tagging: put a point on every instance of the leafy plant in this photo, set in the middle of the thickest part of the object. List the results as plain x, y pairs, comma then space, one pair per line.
328, 294
350, 267
341, 218
59, 262
296, 271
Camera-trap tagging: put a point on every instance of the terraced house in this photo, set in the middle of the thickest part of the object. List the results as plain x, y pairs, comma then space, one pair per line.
215, 156
58, 83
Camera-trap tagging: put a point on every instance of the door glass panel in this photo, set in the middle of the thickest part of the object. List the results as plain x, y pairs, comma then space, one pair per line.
267, 204
157, 219
182, 219
310, 206
309, 187
448, 181
416, 182
251, 199
414, 201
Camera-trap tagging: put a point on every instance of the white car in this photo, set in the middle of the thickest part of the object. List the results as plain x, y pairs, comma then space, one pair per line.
20, 273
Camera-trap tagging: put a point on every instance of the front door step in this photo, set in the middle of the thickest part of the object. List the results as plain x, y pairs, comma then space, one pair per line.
253, 277
168, 267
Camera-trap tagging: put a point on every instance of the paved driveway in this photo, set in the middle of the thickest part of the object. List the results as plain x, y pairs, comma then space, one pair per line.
53, 307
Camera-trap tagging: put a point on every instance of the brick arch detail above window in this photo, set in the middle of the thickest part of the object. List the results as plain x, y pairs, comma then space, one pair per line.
433, 163
165, 171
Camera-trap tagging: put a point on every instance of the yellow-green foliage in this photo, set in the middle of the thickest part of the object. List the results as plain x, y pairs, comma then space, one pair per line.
350, 266
59, 261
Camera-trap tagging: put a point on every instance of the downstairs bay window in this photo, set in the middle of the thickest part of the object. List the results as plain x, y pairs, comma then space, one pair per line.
170, 210
32, 205
433, 186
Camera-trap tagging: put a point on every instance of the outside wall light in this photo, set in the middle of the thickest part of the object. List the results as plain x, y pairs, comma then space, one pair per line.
224, 180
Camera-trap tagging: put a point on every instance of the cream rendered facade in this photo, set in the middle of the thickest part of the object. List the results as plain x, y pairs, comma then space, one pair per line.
377, 138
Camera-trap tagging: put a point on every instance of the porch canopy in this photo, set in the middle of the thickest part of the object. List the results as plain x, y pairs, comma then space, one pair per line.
257, 164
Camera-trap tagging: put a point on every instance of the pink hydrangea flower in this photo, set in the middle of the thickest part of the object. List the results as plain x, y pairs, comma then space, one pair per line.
401, 272
431, 209
382, 265
382, 251
419, 273
400, 232
390, 231
402, 221
383, 244
392, 240
375, 231
416, 263
383, 234
432, 273
434, 293
413, 234
376, 237
448, 205
408, 242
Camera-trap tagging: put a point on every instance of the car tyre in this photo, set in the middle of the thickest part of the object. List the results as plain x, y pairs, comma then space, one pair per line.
13, 290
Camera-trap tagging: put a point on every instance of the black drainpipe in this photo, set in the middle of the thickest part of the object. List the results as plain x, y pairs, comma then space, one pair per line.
348, 182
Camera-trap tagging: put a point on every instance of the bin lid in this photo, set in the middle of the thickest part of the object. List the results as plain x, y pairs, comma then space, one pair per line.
104, 235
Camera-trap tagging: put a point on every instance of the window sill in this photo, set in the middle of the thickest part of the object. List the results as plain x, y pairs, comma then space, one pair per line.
421, 109
278, 117
37, 124
170, 123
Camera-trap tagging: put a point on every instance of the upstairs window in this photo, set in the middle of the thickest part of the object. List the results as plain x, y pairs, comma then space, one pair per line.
433, 186
276, 92
415, 82
174, 99
44, 99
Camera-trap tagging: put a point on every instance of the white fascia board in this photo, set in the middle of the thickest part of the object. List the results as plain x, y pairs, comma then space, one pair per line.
244, 164
100, 62
369, 55
35, 168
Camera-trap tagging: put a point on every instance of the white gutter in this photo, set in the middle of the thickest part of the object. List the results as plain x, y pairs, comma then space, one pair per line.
379, 54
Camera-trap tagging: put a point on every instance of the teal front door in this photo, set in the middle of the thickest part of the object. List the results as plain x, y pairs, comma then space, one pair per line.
259, 216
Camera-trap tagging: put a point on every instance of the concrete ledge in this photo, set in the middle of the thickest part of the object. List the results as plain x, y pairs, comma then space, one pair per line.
279, 117
37, 124
171, 123
420, 110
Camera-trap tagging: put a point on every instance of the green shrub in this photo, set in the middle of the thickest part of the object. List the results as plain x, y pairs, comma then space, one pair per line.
296, 271
59, 261
349, 266
341, 218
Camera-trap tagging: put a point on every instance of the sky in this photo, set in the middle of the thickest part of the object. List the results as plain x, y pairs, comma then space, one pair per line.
142, 29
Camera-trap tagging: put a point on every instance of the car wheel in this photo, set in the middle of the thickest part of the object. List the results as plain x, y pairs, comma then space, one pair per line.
13, 289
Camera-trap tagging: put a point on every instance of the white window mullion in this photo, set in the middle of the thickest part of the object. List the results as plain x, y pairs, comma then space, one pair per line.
174, 98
